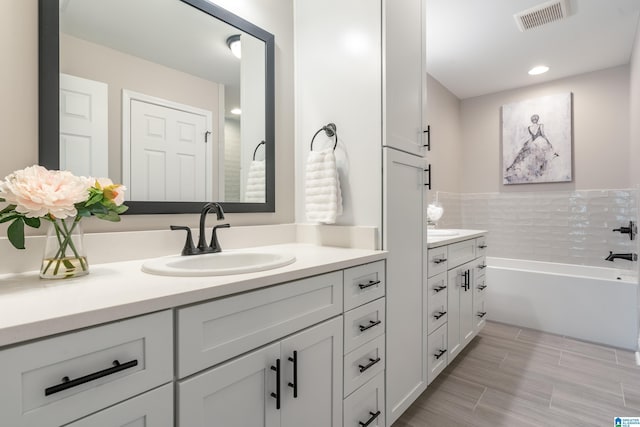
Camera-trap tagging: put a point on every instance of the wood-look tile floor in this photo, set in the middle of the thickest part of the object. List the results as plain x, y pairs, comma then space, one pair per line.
509, 376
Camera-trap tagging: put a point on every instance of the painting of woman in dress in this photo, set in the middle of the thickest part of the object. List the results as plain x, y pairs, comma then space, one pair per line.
528, 153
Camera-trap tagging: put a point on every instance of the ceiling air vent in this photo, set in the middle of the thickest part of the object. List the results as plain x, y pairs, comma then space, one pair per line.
542, 14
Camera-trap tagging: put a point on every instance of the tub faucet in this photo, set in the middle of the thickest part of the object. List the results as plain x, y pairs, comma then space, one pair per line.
628, 257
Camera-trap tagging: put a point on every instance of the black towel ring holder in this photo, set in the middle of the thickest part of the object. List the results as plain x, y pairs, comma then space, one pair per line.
256, 150
330, 131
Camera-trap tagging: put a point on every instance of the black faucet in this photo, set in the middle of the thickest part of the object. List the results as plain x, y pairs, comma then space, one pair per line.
628, 257
203, 248
631, 230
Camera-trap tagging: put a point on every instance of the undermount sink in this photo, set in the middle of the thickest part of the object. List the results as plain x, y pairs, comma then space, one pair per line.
217, 264
442, 233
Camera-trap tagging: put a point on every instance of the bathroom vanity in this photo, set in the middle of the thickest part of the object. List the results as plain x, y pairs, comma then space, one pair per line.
455, 291
303, 344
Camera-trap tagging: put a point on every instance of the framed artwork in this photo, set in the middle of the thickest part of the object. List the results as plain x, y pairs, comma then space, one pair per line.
536, 140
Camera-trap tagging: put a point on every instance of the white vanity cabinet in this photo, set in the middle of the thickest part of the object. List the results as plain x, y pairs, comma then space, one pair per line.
454, 299
57, 380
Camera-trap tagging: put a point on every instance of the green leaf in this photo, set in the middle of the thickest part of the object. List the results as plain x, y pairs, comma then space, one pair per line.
83, 212
32, 222
8, 208
15, 233
121, 209
111, 216
94, 198
9, 216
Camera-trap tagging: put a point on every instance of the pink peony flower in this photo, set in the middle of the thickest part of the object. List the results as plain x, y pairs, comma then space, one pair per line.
37, 192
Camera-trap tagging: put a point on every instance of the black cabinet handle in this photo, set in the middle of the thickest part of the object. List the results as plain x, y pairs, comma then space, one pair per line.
482, 287
67, 383
369, 284
439, 354
481, 314
466, 280
294, 384
428, 171
428, 132
482, 266
439, 315
276, 395
368, 365
482, 246
374, 415
439, 260
439, 288
370, 325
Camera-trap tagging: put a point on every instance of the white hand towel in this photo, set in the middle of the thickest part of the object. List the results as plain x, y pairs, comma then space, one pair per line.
255, 189
323, 198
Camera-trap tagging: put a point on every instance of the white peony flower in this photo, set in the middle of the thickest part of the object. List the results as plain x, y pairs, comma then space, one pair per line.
111, 191
37, 192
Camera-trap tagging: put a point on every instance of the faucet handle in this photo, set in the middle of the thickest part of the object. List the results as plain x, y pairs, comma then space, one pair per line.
215, 245
189, 248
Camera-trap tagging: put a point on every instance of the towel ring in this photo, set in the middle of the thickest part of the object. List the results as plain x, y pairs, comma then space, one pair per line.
330, 131
258, 146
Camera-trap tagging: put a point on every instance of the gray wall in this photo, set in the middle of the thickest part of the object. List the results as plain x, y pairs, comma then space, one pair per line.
19, 105
634, 92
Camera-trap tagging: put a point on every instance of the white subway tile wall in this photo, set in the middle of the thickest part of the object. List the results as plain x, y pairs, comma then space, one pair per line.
573, 227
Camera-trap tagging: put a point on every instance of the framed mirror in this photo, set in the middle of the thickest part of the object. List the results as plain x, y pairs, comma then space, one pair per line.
151, 94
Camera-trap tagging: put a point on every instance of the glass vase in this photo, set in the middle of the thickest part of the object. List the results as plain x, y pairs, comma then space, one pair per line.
64, 253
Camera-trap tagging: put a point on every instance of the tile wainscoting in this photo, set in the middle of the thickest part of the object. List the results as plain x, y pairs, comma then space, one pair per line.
573, 227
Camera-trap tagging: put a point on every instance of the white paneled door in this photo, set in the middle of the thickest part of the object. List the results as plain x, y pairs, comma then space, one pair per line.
169, 158
83, 126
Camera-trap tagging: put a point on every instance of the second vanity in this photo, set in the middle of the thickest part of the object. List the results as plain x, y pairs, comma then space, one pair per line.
298, 345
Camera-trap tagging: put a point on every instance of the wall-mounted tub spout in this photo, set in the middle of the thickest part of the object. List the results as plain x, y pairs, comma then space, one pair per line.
628, 257
631, 230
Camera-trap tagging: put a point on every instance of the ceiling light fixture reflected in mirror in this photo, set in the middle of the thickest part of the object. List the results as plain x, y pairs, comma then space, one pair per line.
235, 46
540, 69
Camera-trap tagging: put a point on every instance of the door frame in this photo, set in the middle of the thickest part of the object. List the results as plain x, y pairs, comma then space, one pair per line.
127, 97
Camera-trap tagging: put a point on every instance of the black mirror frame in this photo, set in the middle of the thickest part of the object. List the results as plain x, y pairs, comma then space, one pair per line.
49, 106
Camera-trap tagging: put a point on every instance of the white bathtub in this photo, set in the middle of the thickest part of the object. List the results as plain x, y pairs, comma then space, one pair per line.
589, 303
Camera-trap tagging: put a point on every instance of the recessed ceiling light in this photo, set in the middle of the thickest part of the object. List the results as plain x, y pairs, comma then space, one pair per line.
540, 69
236, 111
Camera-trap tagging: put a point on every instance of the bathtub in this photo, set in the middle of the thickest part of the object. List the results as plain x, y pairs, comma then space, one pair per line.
589, 303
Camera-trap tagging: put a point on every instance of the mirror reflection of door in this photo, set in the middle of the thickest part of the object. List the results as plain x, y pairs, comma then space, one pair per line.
83, 126
166, 150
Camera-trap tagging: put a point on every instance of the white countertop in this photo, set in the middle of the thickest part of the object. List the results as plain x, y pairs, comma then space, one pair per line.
435, 241
33, 308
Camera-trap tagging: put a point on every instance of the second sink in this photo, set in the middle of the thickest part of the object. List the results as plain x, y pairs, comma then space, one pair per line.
217, 264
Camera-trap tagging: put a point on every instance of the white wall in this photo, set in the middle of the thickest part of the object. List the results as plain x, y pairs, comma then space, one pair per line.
600, 133
634, 107
338, 79
19, 105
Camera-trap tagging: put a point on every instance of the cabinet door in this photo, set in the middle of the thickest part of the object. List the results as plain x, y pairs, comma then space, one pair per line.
455, 280
467, 317
404, 75
312, 377
404, 234
235, 394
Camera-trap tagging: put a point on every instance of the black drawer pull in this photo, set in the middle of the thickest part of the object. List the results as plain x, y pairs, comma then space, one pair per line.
439, 315
482, 287
439, 288
374, 415
482, 314
482, 247
482, 266
439, 354
439, 260
67, 383
368, 365
294, 384
276, 395
370, 284
370, 325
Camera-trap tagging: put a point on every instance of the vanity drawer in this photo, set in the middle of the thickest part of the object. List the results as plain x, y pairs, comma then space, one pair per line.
436, 352
437, 261
461, 252
481, 246
61, 379
363, 363
365, 404
480, 288
436, 314
363, 283
363, 324
479, 313
213, 332
153, 408
480, 267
